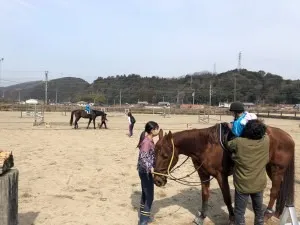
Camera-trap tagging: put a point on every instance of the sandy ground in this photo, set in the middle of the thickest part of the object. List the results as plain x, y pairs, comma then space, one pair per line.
89, 177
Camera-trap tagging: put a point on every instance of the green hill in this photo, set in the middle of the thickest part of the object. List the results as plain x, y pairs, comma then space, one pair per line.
259, 87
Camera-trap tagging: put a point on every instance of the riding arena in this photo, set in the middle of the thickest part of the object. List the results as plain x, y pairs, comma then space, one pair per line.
88, 176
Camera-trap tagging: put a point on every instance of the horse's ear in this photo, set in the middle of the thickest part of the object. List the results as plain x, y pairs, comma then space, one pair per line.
161, 134
169, 135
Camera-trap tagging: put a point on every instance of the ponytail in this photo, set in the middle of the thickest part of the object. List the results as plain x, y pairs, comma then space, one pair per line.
142, 136
148, 128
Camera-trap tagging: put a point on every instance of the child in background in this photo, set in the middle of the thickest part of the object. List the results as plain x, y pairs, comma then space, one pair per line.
131, 121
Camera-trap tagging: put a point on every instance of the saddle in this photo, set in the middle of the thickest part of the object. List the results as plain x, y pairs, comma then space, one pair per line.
225, 135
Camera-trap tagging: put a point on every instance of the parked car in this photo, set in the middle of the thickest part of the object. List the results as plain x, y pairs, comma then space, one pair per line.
297, 106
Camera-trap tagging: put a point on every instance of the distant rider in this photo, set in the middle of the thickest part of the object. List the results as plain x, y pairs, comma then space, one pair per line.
88, 108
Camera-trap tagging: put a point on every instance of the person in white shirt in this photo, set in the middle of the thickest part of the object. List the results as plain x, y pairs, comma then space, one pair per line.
131, 121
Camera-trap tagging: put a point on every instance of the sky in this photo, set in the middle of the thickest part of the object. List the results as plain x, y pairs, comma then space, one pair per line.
166, 38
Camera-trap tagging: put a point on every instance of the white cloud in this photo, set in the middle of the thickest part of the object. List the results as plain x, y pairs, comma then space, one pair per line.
26, 4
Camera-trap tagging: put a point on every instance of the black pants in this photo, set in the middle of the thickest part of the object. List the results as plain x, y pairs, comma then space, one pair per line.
147, 196
131, 129
240, 204
103, 122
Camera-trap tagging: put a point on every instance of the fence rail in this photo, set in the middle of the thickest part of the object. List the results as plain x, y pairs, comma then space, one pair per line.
273, 113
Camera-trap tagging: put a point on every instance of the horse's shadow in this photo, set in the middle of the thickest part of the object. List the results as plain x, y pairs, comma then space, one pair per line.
27, 218
190, 199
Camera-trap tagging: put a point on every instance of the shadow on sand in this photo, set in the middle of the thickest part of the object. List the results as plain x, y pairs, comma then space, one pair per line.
190, 199
28, 218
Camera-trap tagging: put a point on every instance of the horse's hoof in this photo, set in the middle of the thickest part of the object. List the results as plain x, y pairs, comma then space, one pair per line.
199, 220
268, 214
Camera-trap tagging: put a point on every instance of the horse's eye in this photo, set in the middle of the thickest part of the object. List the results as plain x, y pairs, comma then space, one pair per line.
164, 155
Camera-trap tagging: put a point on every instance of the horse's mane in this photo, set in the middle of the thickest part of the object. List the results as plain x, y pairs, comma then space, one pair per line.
212, 133
209, 134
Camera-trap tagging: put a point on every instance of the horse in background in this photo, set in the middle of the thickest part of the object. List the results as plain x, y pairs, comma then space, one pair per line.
82, 113
210, 159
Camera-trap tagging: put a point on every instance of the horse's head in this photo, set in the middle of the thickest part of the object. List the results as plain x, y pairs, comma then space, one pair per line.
166, 157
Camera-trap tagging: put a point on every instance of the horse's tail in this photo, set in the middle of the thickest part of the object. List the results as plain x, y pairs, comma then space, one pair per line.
286, 192
72, 115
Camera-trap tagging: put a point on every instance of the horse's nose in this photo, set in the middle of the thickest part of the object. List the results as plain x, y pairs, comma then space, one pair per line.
159, 181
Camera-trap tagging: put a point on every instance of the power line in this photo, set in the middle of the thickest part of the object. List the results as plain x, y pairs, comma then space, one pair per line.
46, 87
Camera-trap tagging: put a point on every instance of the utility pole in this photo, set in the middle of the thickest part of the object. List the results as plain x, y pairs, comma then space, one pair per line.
120, 98
19, 94
210, 93
56, 96
234, 88
193, 94
46, 87
238, 69
215, 69
1, 61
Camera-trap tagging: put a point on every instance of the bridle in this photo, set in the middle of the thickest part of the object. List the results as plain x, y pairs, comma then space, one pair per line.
180, 179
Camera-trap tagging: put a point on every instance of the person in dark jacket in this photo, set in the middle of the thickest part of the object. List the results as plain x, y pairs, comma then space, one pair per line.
131, 121
103, 121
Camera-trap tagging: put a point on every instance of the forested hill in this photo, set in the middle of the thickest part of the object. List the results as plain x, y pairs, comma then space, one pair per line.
250, 87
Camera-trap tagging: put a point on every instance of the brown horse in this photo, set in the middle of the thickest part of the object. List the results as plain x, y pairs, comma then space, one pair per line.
82, 113
209, 159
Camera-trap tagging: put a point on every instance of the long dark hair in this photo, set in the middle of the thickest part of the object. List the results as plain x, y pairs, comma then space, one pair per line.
151, 125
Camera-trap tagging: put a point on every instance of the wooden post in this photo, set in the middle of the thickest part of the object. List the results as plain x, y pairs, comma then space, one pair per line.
9, 197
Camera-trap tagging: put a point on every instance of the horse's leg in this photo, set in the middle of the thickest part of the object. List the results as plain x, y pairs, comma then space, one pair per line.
94, 123
275, 173
76, 122
224, 185
90, 120
205, 183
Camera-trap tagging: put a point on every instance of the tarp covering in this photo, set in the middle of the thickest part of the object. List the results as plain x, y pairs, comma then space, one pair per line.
31, 101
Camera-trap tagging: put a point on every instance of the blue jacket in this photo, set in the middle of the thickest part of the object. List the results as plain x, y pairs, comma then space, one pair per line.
238, 126
87, 107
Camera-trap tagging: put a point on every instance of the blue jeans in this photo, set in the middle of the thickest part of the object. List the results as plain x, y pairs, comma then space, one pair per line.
147, 196
240, 204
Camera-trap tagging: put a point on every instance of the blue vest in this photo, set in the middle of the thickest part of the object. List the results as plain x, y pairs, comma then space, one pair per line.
237, 127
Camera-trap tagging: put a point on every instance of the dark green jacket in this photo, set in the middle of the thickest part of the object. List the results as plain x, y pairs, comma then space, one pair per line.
251, 158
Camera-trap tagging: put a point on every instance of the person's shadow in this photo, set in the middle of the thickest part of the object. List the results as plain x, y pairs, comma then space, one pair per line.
27, 218
190, 199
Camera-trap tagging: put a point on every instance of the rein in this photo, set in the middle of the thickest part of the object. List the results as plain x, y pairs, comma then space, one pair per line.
180, 180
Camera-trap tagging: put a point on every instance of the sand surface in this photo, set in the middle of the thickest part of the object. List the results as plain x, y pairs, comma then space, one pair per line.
89, 177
